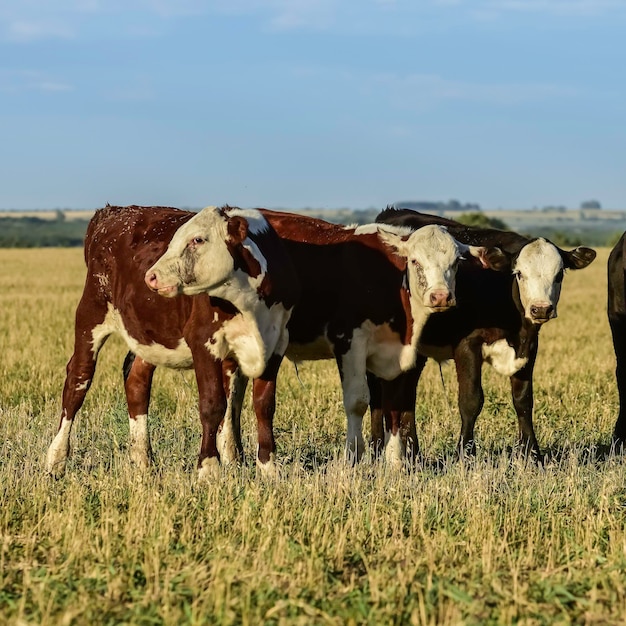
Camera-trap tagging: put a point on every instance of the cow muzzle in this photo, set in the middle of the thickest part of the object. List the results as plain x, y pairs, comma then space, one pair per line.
152, 280
540, 313
440, 300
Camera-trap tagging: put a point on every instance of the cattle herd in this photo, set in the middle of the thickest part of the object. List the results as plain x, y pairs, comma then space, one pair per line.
231, 292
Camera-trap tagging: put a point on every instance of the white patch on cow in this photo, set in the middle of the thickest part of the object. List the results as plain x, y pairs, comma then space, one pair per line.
179, 357
371, 229
355, 392
269, 470
501, 356
394, 450
226, 445
59, 449
139, 441
538, 268
84, 385
257, 224
252, 337
209, 469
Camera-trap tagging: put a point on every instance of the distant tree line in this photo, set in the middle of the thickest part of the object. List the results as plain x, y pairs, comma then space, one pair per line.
34, 232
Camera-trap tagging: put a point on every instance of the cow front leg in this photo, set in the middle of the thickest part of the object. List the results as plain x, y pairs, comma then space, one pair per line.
468, 364
618, 332
264, 401
137, 385
79, 375
522, 393
212, 408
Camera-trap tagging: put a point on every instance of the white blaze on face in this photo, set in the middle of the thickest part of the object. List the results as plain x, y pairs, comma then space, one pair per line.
432, 256
539, 274
197, 257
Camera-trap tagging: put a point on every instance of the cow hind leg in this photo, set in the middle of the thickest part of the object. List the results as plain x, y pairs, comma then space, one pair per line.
356, 398
229, 443
374, 385
90, 334
137, 385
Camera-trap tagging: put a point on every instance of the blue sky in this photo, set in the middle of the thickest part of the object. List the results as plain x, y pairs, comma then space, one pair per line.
312, 103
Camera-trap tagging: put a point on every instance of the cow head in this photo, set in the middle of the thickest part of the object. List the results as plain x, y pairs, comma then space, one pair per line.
202, 254
538, 271
432, 256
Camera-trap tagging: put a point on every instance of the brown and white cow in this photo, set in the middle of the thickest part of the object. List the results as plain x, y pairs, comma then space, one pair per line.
238, 320
497, 321
366, 294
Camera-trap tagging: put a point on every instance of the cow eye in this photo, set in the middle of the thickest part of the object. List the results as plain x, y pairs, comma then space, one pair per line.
197, 241
415, 264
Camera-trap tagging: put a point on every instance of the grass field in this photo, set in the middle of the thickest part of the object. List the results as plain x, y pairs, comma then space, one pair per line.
493, 542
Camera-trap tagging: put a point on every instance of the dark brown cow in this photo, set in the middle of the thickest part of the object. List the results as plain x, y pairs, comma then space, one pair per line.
366, 294
497, 321
616, 309
239, 319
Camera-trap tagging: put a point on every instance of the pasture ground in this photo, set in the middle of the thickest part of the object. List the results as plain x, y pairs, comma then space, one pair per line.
495, 541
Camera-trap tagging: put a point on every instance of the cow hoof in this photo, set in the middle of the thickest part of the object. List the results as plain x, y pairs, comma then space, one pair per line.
394, 452
268, 470
56, 461
209, 469
141, 458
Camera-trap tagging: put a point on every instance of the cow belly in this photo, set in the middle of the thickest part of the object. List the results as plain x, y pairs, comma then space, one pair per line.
317, 350
438, 353
155, 353
501, 356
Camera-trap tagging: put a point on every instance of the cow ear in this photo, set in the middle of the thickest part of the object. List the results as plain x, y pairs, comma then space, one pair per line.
578, 258
237, 228
491, 258
398, 245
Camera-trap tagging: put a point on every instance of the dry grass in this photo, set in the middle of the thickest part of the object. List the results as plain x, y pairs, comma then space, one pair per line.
495, 542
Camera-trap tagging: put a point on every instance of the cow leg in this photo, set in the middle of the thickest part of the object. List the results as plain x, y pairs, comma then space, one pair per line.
618, 331
353, 374
137, 384
264, 401
399, 397
377, 441
212, 408
522, 392
88, 339
468, 363
229, 443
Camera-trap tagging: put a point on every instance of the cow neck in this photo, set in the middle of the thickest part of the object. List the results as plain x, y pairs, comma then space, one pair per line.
416, 316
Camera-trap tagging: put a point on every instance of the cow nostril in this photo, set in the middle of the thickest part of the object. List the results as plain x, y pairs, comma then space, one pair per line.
151, 278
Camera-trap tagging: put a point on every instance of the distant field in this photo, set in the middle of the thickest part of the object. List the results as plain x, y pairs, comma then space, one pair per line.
492, 542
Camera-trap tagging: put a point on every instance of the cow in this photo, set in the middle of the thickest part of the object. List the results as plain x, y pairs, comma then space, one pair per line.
366, 295
238, 320
497, 321
616, 310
